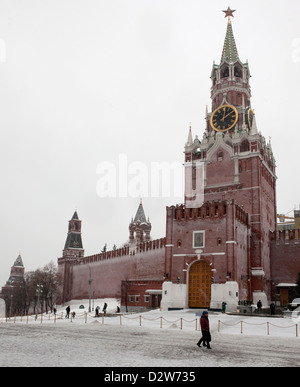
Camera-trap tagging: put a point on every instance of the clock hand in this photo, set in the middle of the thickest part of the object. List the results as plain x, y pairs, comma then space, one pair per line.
222, 119
224, 109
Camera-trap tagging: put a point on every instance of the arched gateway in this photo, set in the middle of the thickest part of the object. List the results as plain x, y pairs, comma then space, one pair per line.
199, 285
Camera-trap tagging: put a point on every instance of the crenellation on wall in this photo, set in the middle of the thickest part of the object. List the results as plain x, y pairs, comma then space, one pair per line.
123, 252
107, 275
210, 209
285, 236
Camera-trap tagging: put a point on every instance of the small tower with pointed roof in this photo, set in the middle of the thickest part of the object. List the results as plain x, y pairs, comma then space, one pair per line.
17, 272
73, 252
73, 247
139, 228
16, 276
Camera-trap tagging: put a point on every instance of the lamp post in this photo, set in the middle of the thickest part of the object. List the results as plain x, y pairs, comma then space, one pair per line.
90, 288
39, 291
10, 306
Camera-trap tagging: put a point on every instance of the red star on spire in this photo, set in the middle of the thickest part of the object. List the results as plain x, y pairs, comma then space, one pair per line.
229, 12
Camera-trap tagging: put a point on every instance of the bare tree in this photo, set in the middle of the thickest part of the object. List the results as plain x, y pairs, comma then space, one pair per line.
37, 291
52, 282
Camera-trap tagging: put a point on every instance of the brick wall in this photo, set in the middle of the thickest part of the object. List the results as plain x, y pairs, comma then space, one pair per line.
108, 270
141, 294
285, 257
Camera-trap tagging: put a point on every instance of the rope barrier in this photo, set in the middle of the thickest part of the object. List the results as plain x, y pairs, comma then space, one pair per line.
257, 324
246, 322
229, 325
85, 316
278, 326
150, 319
131, 318
168, 321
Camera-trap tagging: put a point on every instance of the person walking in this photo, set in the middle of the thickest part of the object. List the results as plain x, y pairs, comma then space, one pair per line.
104, 308
68, 309
202, 338
206, 336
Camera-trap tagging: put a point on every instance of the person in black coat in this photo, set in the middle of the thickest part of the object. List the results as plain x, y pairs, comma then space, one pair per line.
272, 308
104, 308
68, 309
259, 306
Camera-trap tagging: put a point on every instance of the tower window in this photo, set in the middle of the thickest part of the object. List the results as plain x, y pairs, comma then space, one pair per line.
194, 177
237, 72
225, 73
245, 147
220, 156
207, 211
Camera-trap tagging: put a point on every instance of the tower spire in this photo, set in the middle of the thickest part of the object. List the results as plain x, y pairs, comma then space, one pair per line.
190, 136
139, 228
73, 246
229, 53
140, 214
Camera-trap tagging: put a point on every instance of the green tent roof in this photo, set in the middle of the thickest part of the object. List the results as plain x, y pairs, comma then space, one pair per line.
229, 53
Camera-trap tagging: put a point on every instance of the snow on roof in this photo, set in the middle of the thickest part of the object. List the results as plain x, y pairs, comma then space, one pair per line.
286, 285
154, 291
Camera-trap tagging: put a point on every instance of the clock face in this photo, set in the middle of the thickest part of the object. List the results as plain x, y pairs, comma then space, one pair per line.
224, 118
250, 116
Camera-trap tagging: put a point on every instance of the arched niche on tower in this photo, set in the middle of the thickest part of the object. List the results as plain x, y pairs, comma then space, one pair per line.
238, 70
245, 146
224, 71
220, 168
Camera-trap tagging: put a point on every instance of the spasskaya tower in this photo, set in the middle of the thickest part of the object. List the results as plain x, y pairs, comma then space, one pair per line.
220, 242
230, 192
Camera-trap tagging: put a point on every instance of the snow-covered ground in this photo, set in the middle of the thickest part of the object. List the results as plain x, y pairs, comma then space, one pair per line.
150, 339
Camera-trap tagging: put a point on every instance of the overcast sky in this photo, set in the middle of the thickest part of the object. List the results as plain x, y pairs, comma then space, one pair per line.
106, 82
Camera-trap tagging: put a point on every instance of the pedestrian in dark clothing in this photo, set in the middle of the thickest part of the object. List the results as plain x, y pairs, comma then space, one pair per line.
68, 309
202, 338
206, 337
224, 307
104, 308
272, 308
259, 306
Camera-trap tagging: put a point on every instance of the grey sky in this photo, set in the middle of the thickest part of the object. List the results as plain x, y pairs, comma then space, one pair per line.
82, 82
